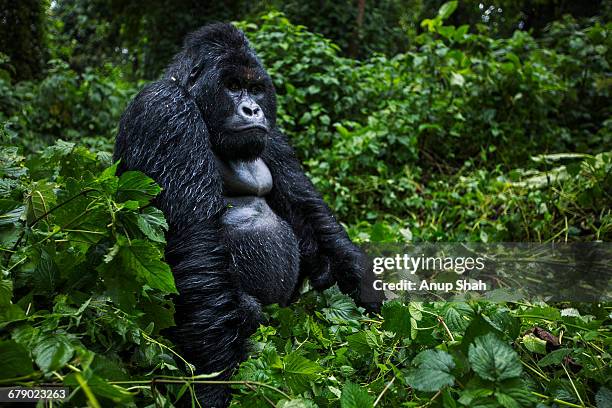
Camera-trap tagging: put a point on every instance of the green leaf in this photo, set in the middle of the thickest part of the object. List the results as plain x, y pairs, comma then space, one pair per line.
299, 371
11, 163
533, 344
153, 224
6, 291
433, 371
506, 401
603, 398
516, 393
479, 326
353, 396
448, 401
458, 316
447, 9
40, 200
11, 217
53, 352
296, 403
61, 148
45, 274
502, 320
555, 357
341, 309
476, 390
134, 185
10, 313
358, 342
457, 79
15, 360
546, 312
144, 258
397, 318
101, 388
493, 360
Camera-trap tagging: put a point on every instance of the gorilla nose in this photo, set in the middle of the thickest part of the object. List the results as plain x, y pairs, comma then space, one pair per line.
250, 110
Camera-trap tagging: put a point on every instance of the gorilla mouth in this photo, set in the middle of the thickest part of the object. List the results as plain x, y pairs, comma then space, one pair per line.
250, 128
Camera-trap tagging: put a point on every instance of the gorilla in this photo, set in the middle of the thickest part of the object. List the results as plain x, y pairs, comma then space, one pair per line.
246, 224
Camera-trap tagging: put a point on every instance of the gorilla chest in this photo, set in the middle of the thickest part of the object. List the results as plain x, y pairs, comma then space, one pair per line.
265, 253
242, 178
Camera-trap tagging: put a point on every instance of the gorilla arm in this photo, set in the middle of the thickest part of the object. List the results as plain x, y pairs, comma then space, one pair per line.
298, 195
162, 134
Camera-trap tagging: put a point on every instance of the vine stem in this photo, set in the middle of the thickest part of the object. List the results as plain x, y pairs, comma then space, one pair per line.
384, 390
558, 401
182, 380
268, 400
443, 323
573, 386
46, 213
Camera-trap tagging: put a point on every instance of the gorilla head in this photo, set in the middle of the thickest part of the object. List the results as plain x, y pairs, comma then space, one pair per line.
235, 94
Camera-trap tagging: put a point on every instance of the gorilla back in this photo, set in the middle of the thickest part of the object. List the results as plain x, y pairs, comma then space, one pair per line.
246, 224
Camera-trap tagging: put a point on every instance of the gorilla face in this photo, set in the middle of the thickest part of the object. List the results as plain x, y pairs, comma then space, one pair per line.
232, 89
241, 129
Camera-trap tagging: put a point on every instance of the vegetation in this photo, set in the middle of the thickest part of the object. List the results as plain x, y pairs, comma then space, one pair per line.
452, 132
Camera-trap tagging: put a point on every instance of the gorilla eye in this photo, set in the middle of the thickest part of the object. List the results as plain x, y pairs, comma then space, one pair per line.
233, 85
256, 89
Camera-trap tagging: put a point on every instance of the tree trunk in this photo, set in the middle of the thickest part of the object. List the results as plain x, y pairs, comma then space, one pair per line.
354, 48
22, 36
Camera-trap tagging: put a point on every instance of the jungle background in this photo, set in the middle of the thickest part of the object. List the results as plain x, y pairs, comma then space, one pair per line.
418, 120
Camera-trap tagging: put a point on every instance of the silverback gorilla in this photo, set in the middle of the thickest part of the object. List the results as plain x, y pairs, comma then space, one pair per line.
246, 224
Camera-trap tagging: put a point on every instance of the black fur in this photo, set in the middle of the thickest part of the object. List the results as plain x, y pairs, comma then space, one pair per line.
171, 131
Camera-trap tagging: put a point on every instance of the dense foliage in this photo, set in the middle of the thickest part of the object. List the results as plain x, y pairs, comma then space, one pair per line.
464, 136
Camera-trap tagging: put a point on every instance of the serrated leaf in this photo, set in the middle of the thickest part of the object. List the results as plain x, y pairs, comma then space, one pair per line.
153, 224
134, 185
603, 398
144, 258
341, 309
7, 186
493, 360
61, 148
299, 371
15, 360
11, 217
397, 318
503, 321
11, 163
457, 316
353, 396
433, 371
53, 352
